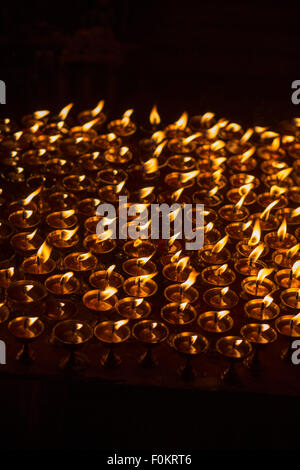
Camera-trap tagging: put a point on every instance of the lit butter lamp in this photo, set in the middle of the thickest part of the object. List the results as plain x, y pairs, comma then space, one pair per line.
211, 234
87, 207
100, 244
123, 127
243, 162
59, 310
178, 128
139, 266
183, 292
179, 271
61, 201
105, 141
106, 278
39, 265
280, 239
62, 219
240, 179
99, 301
77, 183
289, 327
178, 314
234, 212
239, 230
62, 285
24, 220
89, 114
63, 241
84, 132
276, 193
112, 192
25, 244
26, 203
280, 179
287, 278
258, 286
284, 258
271, 151
235, 194
262, 309
259, 335
221, 298
7, 276
25, 329
189, 344
290, 299
184, 145
119, 156
72, 335
245, 248
215, 254
92, 162
239, 145
139, 248
208, 197
251, 266
150, 333
236, 349
133, 308
267, 220
26, 296
178, 180
112, 333
215, 321
218, 275
292, 216
140, 286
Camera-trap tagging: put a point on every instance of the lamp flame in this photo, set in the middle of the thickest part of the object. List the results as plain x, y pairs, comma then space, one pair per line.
154, 116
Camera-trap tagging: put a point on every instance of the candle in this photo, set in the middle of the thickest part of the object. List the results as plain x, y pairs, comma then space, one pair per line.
262, 309
215, 321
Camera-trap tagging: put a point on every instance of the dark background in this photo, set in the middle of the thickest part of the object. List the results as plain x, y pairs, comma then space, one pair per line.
234, 58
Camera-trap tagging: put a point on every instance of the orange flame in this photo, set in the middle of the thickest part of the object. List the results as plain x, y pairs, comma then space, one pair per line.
267, 300
281, 232
224, 291
68, 234
88, 125
185, 177
181, 123
266, 213
107, 293
159, 149
219, 271
65, 111
65, 277
256, 233
256, 253
43, 253
31, 235
154, 116
246, 136
176, 194
40, 114
190, 280
126, 117
97, 110
296, 269
31, 196
182, 263
83, 257
262, 274
145, 192
220, 245
275, 144
150, 166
